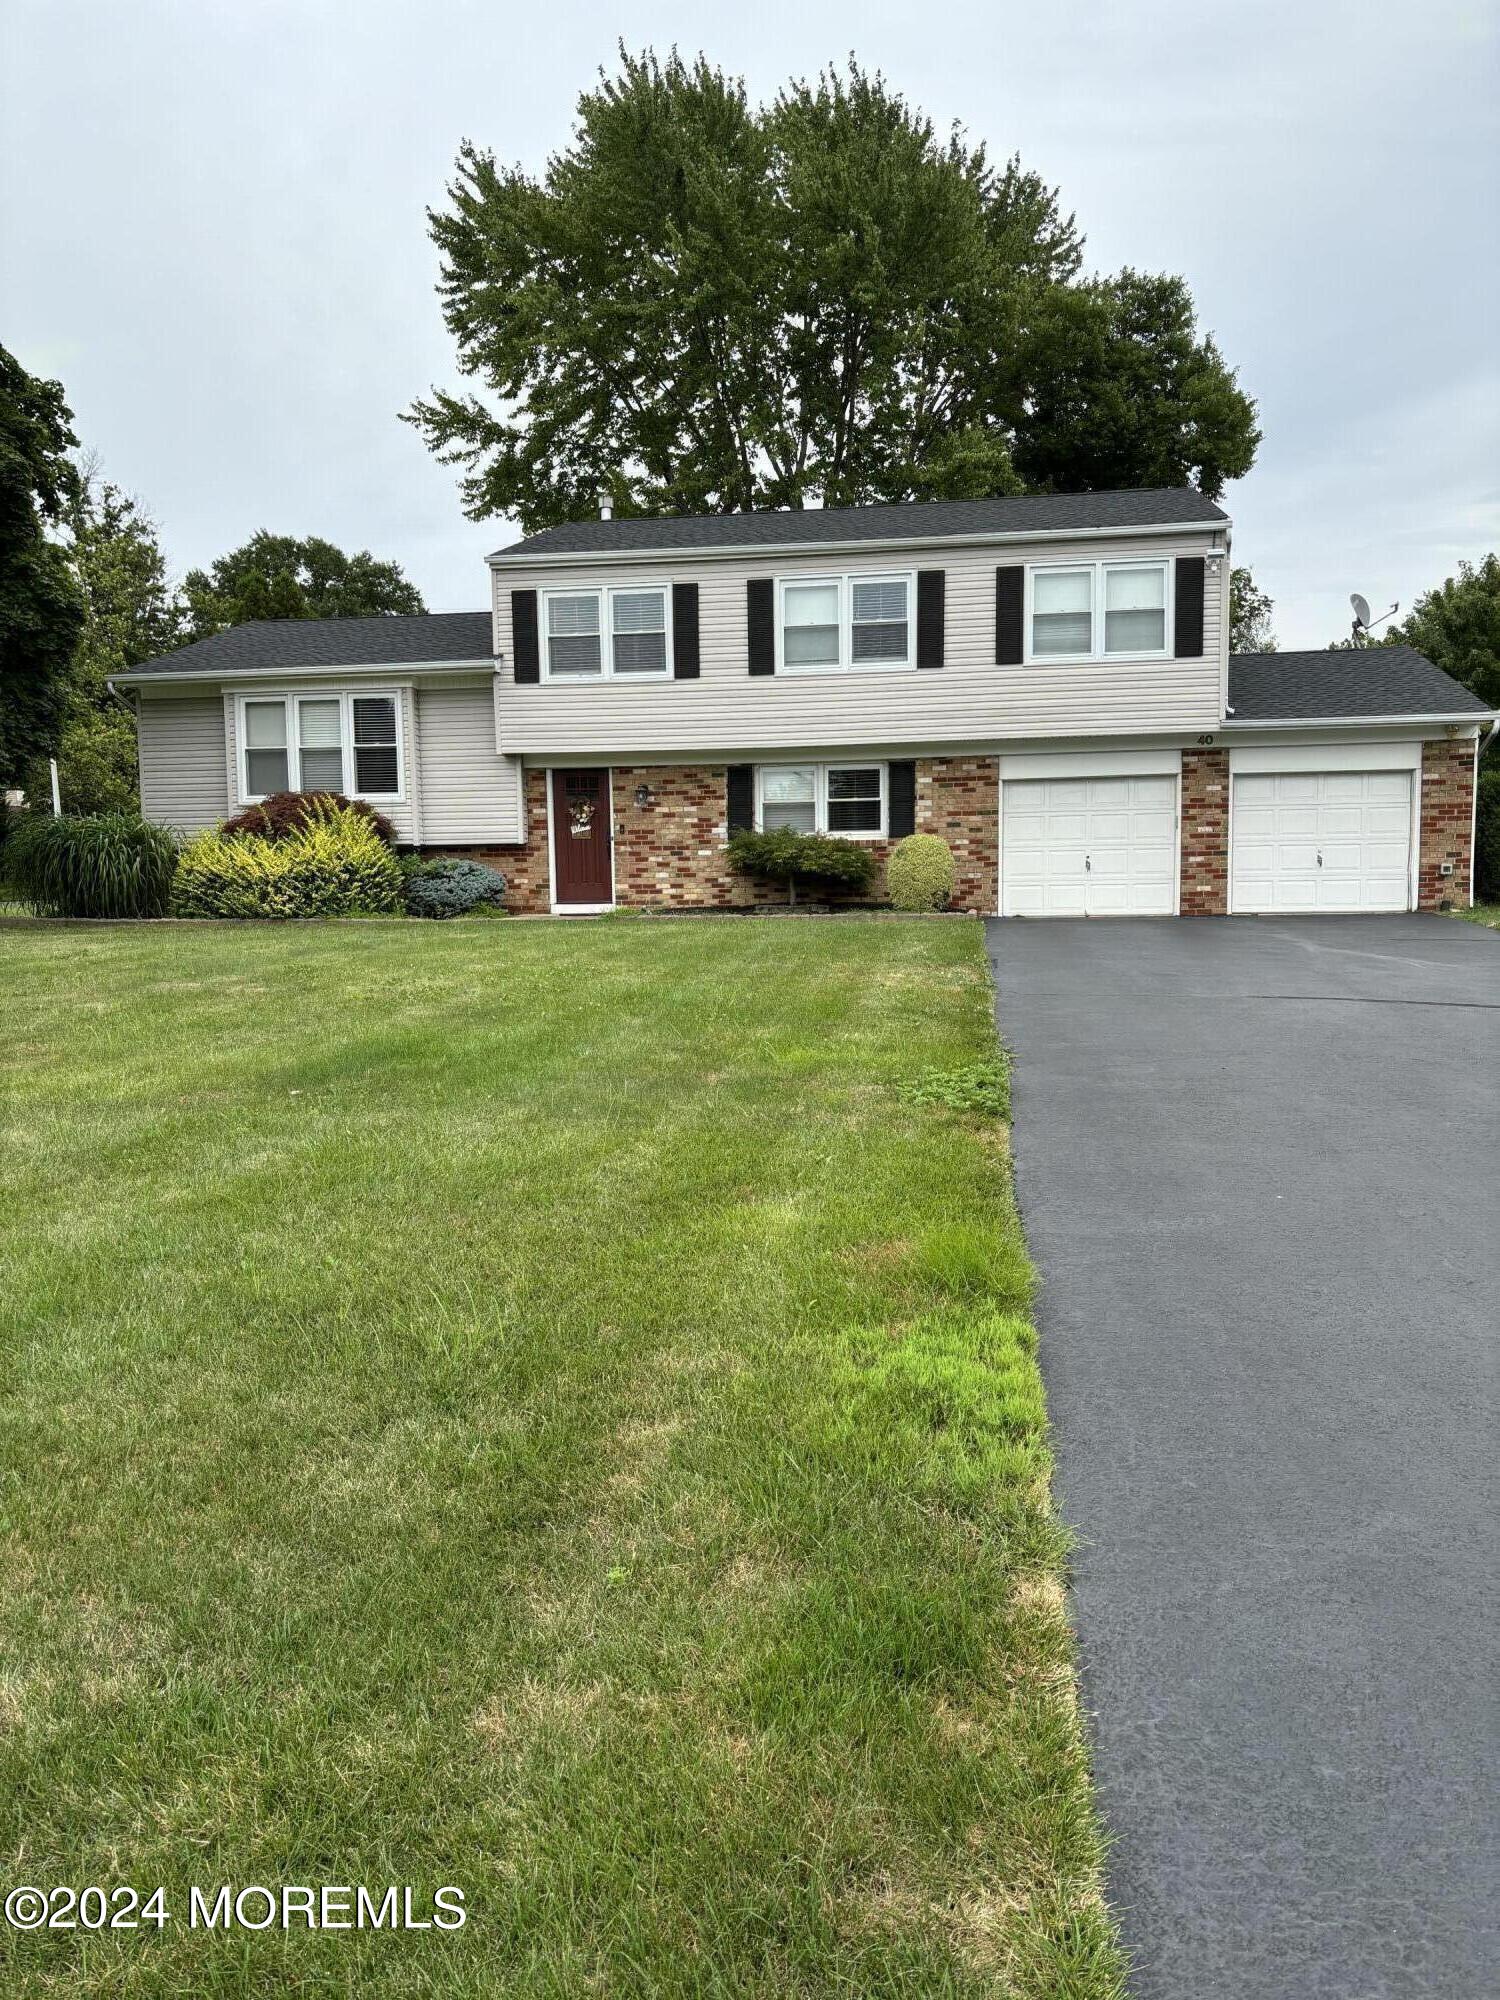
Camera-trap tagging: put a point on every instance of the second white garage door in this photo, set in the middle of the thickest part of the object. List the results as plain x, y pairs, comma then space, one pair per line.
1088, 847
1321, 840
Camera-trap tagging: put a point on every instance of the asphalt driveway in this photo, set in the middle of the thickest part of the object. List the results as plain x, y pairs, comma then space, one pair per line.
1259, 1165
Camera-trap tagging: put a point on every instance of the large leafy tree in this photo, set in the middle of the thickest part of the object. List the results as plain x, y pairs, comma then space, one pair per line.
1458, 627
1250, 609
130, 614
41, 610
279, 576
704, 304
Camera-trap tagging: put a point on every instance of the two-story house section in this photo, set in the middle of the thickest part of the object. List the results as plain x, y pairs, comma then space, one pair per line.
1045, 681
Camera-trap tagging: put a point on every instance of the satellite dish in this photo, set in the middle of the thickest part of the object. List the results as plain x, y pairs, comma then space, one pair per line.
1361, 610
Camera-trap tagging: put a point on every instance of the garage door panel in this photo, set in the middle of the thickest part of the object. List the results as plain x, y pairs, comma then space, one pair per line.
1321, 840
1089, 847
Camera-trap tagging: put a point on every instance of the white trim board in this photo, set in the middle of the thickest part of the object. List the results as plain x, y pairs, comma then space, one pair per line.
1090, 764
1325, 757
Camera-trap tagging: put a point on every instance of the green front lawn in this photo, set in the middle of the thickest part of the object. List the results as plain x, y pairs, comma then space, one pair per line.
549, 1409
1483, 913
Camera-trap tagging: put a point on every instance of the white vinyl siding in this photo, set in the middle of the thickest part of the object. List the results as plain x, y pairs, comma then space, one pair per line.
183, 776
970, 700
470, 793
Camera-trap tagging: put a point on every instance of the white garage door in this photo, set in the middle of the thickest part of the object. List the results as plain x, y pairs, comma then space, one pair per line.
1321, 840
1088, 847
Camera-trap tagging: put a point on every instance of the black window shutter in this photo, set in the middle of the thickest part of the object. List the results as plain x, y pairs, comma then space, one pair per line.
930, 585
1010, 603
685, 631
742, 798
760, 610
1189, 620
523, 635
901, 798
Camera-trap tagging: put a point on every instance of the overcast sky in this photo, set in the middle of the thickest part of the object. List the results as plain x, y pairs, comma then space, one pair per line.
212, 231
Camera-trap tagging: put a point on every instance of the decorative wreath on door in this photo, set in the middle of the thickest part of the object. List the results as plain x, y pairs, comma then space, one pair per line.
581, 818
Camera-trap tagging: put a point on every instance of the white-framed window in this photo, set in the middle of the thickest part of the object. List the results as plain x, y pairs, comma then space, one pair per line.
845, 799
1098, 611
622, 633
846, 623
321, 742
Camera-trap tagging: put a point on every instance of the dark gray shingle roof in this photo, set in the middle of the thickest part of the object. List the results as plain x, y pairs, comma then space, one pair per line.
1018, 514
1367, 680
286, 644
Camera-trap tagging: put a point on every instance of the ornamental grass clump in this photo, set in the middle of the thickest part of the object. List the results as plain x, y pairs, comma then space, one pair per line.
920, 874
335, 865
784, 855
95, 865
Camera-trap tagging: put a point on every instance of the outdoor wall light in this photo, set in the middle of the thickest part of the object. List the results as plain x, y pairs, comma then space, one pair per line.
643, 796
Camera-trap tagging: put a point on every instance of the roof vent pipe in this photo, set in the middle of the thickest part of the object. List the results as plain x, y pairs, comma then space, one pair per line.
606, 505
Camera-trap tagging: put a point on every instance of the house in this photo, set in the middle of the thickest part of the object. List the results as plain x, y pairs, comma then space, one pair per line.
1043, 680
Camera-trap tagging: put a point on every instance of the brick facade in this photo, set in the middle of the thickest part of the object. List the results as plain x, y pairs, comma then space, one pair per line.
1205, 833
1447, 825
669, 852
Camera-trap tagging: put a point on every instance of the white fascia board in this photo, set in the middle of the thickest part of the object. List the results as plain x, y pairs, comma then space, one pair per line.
1314, 723
542, 559
234, 677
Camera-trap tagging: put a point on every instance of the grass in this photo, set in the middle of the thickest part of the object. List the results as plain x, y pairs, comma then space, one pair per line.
548, 1409
1487, 914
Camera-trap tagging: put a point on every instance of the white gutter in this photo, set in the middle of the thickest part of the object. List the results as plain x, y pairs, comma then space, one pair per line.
719, 552
1472, 718
389, 669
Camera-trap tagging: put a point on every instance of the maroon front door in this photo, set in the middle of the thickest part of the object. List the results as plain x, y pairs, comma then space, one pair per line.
580, 837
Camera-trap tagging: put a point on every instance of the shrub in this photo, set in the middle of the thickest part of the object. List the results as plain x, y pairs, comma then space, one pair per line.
444, 888
336, 865
285, 813
791, 857
1487, 835
100, 865
920, 873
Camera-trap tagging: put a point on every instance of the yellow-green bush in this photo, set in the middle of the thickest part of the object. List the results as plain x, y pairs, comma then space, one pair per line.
920, 874
335, 866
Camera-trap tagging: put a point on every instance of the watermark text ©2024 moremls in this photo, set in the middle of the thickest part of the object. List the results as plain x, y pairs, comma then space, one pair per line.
253, 1906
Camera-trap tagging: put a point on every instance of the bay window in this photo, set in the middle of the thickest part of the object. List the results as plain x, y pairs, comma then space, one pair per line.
1095, 611
349, 743
834, 623
844, 799
594, 635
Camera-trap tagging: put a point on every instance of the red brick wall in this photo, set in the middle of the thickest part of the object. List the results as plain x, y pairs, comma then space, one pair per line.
669, 853
1447, 824
1205, 833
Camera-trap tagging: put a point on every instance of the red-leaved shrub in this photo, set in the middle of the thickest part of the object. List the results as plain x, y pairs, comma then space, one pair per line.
286, 813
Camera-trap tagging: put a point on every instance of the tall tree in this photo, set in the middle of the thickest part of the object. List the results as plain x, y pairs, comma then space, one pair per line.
278, 576
704, 304
1250, 609
41, 611
130, 614
1458, 627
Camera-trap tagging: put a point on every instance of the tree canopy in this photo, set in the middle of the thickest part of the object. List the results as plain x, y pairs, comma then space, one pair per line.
1458, 627
279, 576
1250, 629
707, 305
41, 611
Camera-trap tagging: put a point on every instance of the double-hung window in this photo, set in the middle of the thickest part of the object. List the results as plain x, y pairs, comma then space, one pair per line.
348, 743
848, 799
622, 634
832, 624
1097, 611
